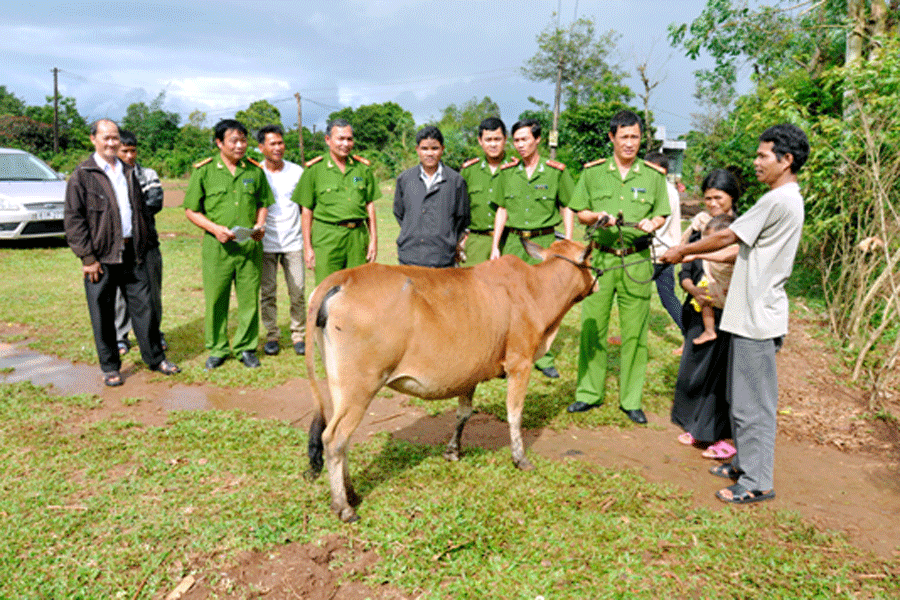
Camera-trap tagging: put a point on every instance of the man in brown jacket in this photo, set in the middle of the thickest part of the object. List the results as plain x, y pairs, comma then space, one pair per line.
106, 227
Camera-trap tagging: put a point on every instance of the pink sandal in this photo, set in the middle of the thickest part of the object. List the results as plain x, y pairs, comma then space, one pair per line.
687, 439
721, 450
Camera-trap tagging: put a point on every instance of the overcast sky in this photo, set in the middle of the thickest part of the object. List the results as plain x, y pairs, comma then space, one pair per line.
220, 56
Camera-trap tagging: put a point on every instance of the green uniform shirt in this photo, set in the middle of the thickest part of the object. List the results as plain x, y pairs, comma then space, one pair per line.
534, 202
485, 189
641, 195
334, 196
226, 199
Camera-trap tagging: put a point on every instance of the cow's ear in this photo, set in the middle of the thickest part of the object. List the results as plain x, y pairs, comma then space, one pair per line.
533, 250
585, 254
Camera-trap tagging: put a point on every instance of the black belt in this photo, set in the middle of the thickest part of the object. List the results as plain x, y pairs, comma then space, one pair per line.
349, 223
482, 231
619, 251
531, 233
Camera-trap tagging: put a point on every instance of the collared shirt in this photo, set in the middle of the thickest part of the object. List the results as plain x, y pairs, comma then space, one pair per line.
641, 194
533, 202
225, 198
116, 174
485, 188
333, 195
430, 181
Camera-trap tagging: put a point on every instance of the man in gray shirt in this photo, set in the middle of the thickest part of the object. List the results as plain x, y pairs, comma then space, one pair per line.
756, 309
431, 204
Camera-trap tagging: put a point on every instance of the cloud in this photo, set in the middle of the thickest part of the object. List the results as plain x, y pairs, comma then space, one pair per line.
220, 93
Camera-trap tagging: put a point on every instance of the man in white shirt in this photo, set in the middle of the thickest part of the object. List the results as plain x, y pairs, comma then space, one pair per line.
756, 309
283, 243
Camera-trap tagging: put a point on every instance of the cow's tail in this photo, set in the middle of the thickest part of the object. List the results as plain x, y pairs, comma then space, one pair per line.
317, 318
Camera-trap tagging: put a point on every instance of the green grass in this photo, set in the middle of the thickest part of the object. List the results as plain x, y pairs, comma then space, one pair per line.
118, 509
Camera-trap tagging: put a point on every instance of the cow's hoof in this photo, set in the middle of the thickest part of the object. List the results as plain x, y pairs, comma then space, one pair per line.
346, 514
451, 455
524, 465
312, 474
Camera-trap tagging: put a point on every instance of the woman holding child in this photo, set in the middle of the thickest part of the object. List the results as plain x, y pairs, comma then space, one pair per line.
701, 406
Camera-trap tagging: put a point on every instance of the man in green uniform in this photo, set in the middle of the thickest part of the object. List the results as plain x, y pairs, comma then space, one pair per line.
483, 182
336, 192
535, 199
227, 197
637, 189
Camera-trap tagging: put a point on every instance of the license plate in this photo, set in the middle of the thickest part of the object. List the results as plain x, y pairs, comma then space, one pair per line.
49, 215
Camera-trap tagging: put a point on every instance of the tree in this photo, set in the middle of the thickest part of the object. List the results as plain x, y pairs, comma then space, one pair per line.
576, 54
383, 132
156, 130
10, 104
258, 115
73, 129
460, 128
26, 134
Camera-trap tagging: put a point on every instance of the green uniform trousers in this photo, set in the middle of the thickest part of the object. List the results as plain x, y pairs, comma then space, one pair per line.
223, 264
478, 248
338, 247
634, 317
513, 245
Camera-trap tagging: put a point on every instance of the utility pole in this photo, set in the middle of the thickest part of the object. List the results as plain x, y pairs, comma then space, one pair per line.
55, 112
300, 127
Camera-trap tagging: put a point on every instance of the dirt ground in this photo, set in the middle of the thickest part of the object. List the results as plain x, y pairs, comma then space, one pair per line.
835, 467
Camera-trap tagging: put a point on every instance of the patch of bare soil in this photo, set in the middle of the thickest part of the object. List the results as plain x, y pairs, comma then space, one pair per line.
321, 571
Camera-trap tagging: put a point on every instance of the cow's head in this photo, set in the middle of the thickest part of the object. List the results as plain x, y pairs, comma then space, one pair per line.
571, 252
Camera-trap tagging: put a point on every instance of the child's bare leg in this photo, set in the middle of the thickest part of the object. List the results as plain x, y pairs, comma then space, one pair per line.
709, 326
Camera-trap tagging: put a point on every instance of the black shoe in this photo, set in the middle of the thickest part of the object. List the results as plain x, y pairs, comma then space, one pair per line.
248, 357
300, 347
271, 348
579, 406
636, 415
550, 372
214, 362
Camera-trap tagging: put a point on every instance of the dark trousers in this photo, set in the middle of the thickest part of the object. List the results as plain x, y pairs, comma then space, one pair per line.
134, 281
665, 287
153, 261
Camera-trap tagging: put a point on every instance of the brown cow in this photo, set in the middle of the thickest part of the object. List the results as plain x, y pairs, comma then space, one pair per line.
433, 333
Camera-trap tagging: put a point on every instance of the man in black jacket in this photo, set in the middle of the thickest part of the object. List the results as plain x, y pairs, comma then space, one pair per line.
106, 222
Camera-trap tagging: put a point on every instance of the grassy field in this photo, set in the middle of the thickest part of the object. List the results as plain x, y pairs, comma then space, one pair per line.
116, 509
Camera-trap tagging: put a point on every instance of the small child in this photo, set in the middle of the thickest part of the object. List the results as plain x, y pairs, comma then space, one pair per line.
716, 280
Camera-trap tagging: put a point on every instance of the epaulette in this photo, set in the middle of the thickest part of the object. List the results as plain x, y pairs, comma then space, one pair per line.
594, 163
556, 165
203, 162
512, 163
313, 161
252, 162
655, 167
470, 162
364, 161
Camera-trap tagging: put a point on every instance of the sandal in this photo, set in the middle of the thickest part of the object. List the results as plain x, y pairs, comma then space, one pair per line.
686, 438
721, 450
741, 495
124, 347
725, 471
166, 367
113, 379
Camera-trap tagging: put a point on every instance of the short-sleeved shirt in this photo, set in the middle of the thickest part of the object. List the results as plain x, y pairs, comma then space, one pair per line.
226, 199
485, 188
769, 233
534, 202
334, 196
283, 231
640, 195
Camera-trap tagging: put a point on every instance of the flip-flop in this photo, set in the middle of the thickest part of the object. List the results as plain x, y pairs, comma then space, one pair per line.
741, 495
113, 379
725, 471
686, 438
721, 450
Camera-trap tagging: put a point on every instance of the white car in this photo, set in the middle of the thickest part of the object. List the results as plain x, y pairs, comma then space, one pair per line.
32, 196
